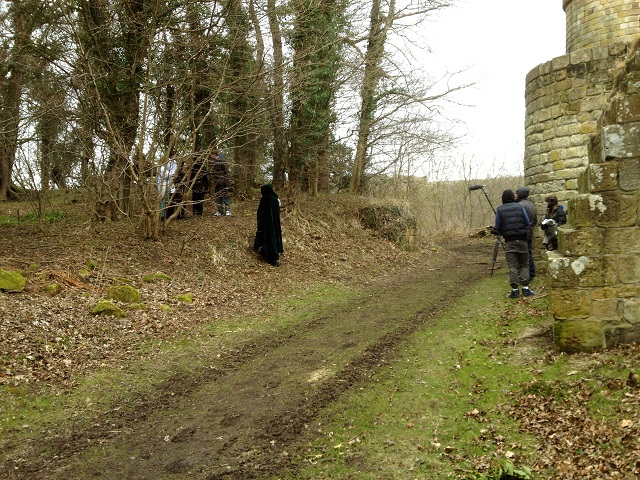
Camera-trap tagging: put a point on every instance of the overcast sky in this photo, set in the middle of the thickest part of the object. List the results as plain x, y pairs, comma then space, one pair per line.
498, 42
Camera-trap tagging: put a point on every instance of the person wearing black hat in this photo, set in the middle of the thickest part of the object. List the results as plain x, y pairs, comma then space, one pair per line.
512, 222
554, 217
268, 239
522, 197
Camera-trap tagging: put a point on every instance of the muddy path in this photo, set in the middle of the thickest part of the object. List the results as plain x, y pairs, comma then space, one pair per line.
241, 418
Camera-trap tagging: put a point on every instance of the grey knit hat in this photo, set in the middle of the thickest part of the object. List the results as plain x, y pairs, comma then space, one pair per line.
522, 192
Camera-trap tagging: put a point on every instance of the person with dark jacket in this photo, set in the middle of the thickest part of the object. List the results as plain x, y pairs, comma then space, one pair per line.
554, 217
522, 197
512, 222
221, 184
268, 240
180, 180
199, 186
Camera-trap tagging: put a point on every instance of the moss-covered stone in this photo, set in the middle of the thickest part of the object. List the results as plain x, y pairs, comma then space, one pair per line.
11, 281
569, 303
578, 335
185, 297
53, 289
123, 293
105, 307
136, 306
156, 277
166, 308
85, 274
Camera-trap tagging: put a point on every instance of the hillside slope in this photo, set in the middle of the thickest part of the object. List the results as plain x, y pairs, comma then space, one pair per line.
48, 335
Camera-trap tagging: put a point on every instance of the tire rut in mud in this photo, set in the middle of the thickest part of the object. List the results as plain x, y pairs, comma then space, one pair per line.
241, 419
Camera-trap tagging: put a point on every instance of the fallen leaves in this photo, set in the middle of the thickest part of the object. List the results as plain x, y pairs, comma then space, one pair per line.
576, 441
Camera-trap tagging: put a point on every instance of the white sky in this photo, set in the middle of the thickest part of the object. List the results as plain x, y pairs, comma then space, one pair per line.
498, 42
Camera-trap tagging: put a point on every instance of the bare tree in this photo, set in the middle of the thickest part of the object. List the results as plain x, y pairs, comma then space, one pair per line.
390, 97
20, 19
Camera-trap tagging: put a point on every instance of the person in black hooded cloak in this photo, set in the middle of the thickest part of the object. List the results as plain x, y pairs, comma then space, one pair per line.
268, 241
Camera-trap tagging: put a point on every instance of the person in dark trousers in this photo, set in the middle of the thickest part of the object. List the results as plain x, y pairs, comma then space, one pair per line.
268, 240
553, 218
512, 222
180, 180
522, 197
199, 186
221, 184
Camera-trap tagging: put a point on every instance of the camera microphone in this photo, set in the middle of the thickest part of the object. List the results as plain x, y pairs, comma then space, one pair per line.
476, 187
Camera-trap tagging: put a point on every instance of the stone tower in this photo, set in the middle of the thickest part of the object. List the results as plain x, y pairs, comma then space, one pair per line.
582, 143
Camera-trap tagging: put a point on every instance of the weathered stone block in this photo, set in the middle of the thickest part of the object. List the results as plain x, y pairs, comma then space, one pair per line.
572, 184
618, 291
569, 272
629, 268
629, 174
622, 334
622, 240
591, 104
578, 152
621, 141
576, 243
603, 177
579, 335
628, 109
631, 311
570, 303
606, 309
608, 209
559, 63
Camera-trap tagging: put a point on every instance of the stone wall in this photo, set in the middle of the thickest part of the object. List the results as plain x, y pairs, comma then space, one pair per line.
564, 99
593, 23
594, 277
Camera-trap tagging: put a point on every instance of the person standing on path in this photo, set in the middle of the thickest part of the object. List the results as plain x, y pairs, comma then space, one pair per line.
221, 184
522, 197
512, 222
268, 240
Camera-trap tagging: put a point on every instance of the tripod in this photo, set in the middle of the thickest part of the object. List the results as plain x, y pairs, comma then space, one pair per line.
498, 241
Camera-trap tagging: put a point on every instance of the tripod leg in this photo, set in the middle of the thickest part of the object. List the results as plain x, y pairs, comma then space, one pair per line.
495, 254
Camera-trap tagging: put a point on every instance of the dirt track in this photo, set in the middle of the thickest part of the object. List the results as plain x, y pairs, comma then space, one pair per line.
241, 418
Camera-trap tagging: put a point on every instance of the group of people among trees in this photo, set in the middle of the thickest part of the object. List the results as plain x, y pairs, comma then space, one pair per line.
515, 221
198, 178
174, 182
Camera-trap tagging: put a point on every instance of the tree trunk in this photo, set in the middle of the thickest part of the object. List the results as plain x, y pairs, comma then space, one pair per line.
378, 29
10, 95
245, 90
316, 40
279, 139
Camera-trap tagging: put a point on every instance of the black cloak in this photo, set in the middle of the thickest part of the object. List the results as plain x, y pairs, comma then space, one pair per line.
268, 241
